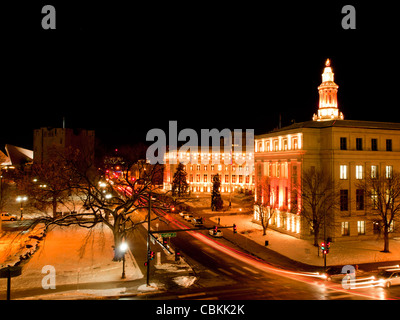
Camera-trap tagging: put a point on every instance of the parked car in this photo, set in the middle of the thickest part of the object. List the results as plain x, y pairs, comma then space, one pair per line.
218, 234
183, 213
5, 216
188, 217
389, 277
197, 221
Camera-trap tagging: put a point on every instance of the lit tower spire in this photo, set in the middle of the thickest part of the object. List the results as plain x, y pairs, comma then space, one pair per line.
328, 105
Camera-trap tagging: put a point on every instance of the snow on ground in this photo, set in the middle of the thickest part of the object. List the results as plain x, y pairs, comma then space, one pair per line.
13, 245
340, 253
151, 287
62, 248
79, 294
185, 281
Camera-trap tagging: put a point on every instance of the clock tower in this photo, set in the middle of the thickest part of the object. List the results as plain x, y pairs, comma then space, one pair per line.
328, 104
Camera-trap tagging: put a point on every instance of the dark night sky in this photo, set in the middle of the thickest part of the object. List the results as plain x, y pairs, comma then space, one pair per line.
125, 70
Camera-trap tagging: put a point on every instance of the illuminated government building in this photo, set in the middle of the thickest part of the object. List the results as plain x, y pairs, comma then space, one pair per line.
235, 167
347, 150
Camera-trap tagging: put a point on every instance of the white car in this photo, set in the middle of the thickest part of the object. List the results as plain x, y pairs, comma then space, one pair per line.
188, 217
389, 277
5, 216
182, 213
218, 234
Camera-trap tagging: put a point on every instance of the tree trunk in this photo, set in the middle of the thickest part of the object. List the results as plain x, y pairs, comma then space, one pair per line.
316, 236
386, 238
54, 203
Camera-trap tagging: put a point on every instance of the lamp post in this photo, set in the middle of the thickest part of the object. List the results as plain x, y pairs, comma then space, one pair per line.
123, 248
21, 199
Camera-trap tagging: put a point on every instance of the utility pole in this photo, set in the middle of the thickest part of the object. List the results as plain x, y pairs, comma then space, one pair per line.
148, 243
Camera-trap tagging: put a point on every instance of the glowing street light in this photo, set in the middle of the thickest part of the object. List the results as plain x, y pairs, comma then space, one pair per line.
123, 247
22, 199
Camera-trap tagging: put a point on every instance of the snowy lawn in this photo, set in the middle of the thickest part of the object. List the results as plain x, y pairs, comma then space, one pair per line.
79, 255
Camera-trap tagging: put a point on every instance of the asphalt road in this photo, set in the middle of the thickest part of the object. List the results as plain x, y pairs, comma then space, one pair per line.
225, 272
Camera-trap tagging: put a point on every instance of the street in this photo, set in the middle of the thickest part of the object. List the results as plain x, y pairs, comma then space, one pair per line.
226, 272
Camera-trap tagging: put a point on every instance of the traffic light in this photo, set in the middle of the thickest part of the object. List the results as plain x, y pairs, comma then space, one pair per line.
328, 245
234, 228
165, 241
177, 255
150, 255
215, 230
323, 248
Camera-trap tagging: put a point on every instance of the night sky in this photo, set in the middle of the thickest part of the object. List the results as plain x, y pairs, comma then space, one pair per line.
125, 70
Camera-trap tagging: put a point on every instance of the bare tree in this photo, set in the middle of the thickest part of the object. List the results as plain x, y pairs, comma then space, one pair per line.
111, 200
320, 197
262, 204
48, 184
382, 194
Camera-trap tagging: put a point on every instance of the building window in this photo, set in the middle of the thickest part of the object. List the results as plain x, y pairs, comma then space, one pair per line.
285, 144
226, 178
388, 144
389, 172
276, 145
197, 178
360, 199
295, 144
343, 143
374, 144
359, 172
343, 171
345, 228
344, 200
240, 178
205, 178
361, 227
374, 199
359, 144
374, 172
233, 178
247, 179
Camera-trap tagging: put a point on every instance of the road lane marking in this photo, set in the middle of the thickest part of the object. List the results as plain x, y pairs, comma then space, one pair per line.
191, 295
251, 270
226, 272
237, 270
212, 272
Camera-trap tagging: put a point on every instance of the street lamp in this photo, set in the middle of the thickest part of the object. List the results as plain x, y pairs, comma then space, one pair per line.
22, 199
123, 247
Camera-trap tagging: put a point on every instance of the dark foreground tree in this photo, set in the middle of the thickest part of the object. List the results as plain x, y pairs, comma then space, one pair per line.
319, 197
216, 200
262, 205
179, 182
113, 201
382, 193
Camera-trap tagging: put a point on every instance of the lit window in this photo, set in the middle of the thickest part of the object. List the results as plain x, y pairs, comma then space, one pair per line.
389, 172
343, 172
374, 172
361, 227
359, 172
345, 228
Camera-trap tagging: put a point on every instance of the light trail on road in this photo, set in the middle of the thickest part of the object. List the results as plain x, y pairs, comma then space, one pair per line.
264, 266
